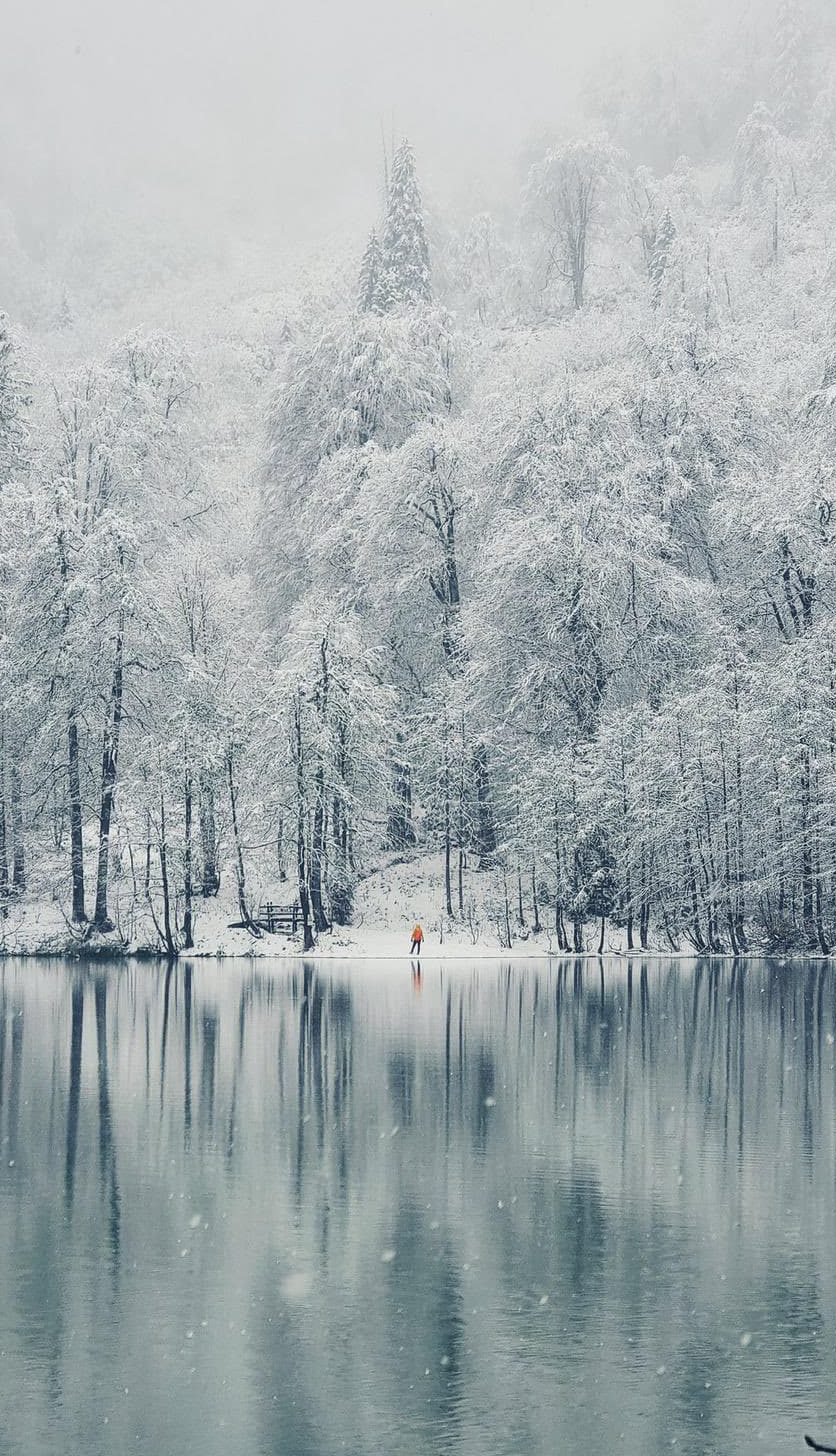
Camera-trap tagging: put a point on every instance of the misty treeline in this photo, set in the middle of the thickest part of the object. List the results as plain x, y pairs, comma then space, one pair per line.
534, 570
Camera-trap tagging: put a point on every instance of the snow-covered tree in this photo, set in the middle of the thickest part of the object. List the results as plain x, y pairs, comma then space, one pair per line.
13, 401
369, 284
534, 577
120, 479
404, 269
565, 197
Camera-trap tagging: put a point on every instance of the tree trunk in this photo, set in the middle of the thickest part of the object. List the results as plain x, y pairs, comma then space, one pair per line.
240, 875
149, 899
807, 885
18, 854
691, 879
401, 828
628, 880
740, 902
79, 915
728, 879
301, 840
319, 836
699, 942
560, 929
820, 935
535, 903
779, 836
320, 919
577, 922
708, 888
644, 925
448, 887
4, 854
485, 827
147, 879
110, 754
460, 830
644, 907
57, 816
210, 877
167, 935
280, 850
507, 910
76, 826
188, 887
708, 864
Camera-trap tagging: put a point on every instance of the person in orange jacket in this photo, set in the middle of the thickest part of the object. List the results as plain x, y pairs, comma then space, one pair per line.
417, 937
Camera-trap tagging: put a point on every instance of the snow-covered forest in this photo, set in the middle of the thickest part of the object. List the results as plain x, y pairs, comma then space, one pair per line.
500, 542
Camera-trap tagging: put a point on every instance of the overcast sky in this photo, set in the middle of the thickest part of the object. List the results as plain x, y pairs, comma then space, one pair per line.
264, 105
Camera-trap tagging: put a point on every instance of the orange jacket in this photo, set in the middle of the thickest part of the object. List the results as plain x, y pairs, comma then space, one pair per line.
418, 934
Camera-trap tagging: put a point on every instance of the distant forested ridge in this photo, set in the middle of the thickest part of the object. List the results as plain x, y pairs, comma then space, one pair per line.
515, 545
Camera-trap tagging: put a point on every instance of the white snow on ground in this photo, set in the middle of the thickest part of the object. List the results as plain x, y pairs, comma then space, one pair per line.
387, 904
388, 901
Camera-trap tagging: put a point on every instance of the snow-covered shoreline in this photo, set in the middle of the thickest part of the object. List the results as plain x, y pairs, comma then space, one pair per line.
331, 948
388, 901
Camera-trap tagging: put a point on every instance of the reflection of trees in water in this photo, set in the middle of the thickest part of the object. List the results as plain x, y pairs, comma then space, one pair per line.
74, 1092
106, 1142
421, 1352
288, 1408
648, 1151
696, 1386
187, 1055
15, 1074
209, 1022
169, 975
401, 1078
107, 1146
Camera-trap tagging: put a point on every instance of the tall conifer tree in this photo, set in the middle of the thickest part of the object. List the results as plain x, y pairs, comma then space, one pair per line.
369, 282
660, 255
405, 256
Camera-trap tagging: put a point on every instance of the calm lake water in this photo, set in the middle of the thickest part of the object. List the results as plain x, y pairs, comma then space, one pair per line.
503, 1212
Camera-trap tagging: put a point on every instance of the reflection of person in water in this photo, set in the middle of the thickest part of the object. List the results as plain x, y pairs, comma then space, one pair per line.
417, 978
417, 938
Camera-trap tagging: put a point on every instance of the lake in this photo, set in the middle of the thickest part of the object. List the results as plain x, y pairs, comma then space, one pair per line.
502, 1210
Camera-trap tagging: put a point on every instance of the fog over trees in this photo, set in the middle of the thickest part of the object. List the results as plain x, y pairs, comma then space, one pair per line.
498, 529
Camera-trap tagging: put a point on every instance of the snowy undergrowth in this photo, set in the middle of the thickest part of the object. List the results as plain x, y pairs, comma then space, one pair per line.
388, 901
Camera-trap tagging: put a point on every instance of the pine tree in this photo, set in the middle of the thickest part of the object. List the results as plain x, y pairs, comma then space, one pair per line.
659, 255
66, 313
368, 288
405, 257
